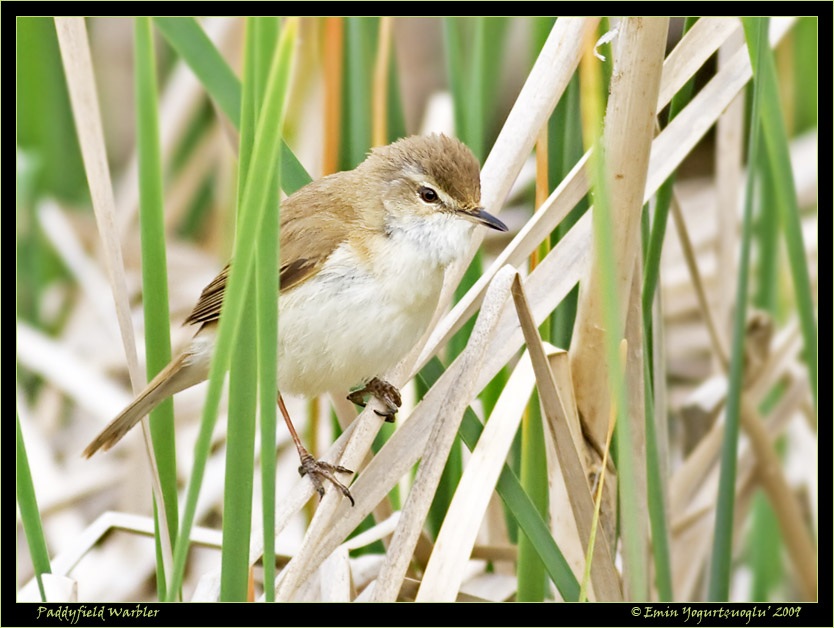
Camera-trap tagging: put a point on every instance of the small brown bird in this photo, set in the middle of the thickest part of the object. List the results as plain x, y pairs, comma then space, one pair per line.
362, 259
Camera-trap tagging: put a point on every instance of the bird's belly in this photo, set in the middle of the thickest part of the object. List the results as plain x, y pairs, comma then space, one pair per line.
343, 327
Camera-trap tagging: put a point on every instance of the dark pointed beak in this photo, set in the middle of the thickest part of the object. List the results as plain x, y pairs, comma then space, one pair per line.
488, 220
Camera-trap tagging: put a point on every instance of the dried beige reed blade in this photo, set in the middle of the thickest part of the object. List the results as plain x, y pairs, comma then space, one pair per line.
64, 562
636, 574
208, 587
559, 361
78, 67
68, 560
354, 445
798, 542
376, 533
604, 574
335, 576
489, 587
666, 156
729, 149
40, 455
60, 487
382, 64
689, 126
718, 340
443, 433
560, 269
456, 539
694, 49
562, 521
629, 129
60, 588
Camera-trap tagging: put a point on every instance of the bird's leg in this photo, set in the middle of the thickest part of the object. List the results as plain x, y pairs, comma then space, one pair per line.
382, 390
314, 469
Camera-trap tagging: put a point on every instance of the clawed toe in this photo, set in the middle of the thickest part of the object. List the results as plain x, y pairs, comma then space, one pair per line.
317, 470
382, 390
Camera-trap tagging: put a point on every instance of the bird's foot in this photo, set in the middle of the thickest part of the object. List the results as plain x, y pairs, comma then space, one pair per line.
318, 470
382, 390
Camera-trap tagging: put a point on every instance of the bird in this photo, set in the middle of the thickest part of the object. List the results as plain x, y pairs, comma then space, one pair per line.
363, 254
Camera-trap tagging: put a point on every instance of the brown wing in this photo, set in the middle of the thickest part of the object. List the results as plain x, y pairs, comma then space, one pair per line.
210, 301
313, 221
295, 272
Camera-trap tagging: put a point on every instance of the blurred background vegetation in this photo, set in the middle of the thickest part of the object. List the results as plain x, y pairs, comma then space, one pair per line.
459, 75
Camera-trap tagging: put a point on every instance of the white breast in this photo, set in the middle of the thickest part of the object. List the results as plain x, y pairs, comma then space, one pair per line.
358, 317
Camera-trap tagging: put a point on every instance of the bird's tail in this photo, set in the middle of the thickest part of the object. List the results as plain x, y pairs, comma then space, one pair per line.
178, 375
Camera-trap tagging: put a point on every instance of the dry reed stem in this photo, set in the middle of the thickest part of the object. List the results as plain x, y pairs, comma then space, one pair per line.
545, 84
78, 67
562, 521
69, 373
627, 140
57, 588
729, 148
718, 343
692, 52
600, 488
604, 574
456, 539
629, 124
542, 89
108, 521
634, 380
335, 577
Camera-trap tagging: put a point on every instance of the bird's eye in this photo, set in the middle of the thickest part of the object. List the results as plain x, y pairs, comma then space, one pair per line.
428, 195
